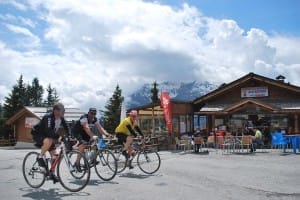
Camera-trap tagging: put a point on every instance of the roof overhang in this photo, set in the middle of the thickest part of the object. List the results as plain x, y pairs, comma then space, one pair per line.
247, 102
236, 83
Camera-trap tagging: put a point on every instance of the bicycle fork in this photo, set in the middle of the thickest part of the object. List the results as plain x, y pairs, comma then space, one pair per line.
68, 162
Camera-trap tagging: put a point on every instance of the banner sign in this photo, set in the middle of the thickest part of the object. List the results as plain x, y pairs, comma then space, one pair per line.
30, 122
255, 92
165, 101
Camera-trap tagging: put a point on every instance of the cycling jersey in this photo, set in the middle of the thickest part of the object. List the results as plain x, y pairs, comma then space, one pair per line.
127, 127
49, 127
78, 128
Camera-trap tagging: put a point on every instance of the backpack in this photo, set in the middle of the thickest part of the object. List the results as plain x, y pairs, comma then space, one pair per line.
37, 135
76, 130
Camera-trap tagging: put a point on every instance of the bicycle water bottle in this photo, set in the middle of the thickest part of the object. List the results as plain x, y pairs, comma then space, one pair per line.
88, 154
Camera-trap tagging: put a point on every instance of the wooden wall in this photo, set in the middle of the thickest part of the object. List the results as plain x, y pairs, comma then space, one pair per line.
22, 134
274, 92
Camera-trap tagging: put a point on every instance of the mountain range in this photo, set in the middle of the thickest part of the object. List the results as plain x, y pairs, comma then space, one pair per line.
177, 91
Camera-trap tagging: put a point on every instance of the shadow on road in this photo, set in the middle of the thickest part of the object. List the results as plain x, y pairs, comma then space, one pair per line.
100, 182
136, 176
51, 194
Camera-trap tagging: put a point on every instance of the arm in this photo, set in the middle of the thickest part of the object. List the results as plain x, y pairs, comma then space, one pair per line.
101, 129
85, 125
47, 126
66, 127
131, 130
87, 130
137, 128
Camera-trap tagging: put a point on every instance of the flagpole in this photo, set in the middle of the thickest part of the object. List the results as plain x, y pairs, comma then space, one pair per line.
123, 111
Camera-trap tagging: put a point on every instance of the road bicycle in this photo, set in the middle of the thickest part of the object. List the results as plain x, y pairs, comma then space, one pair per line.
101, 158
69, 177
148, 159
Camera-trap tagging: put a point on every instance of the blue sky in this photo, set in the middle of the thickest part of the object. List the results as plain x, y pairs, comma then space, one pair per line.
86, 48
273, 16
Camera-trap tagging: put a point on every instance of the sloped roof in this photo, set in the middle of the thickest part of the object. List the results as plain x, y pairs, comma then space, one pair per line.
70, 113
274, 105
249, 101
250, 76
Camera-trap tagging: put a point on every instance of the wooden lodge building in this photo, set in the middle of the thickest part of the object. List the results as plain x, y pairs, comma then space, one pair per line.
251, 100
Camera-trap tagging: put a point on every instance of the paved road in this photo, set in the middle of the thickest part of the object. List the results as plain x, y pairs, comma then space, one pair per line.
182, 176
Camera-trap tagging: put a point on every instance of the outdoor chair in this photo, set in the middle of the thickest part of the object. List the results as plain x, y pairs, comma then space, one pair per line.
179, 144
186, 141
210, 141
220, 141
245, 144
228, 144
198, 142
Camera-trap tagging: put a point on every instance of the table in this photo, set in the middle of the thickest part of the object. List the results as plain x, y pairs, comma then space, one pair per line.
294, 140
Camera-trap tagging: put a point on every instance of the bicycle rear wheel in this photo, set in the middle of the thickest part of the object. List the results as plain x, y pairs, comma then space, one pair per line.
70, 177
148, 161
106, 169
34, 175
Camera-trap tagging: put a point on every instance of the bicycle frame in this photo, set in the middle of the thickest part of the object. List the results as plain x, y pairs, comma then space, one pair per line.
62, 154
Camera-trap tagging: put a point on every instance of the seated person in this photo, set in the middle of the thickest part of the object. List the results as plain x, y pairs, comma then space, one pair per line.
256, 139
198, 133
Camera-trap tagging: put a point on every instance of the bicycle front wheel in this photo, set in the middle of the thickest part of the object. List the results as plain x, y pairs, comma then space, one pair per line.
148, 161
34, 175
71, 177
121, 161
106, 165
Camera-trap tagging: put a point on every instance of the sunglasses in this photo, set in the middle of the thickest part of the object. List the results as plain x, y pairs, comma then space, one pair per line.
93, 113
62, 110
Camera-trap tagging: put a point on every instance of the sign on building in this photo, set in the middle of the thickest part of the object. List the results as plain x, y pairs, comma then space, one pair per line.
254, 92
30, 122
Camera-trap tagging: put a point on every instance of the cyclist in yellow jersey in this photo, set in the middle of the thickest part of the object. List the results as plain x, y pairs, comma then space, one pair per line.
125, 131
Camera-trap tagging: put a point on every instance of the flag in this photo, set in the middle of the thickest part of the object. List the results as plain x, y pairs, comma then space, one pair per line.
167, 109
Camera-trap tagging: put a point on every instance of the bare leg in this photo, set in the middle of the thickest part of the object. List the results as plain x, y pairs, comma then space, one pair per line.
127, 145
46, 145
81, 149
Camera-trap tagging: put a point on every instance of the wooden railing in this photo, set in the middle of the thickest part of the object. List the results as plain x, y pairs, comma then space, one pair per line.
7, 142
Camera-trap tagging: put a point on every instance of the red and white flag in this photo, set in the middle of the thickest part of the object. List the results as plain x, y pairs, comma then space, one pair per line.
165, 101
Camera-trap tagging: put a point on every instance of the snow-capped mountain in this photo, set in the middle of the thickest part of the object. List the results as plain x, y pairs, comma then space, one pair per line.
177, 91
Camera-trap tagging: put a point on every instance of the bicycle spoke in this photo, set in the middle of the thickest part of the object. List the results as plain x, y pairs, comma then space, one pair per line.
71, 177
106, 165
148, 161
34, 174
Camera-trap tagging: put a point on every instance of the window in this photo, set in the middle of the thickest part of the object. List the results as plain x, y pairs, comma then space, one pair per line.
175, 125
203, 122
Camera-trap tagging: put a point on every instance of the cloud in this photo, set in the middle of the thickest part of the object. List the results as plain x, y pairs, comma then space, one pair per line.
16, 4
27, 22
29, 40
99, 44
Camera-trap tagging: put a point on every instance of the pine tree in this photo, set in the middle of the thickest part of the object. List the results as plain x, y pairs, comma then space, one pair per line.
1, 110
113, 110
55, 96
36, 93
154, 102
154, 96
50, 97
16, 99
28, 98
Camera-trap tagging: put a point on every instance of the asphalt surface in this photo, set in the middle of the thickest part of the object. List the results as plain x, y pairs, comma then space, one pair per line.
214, 176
